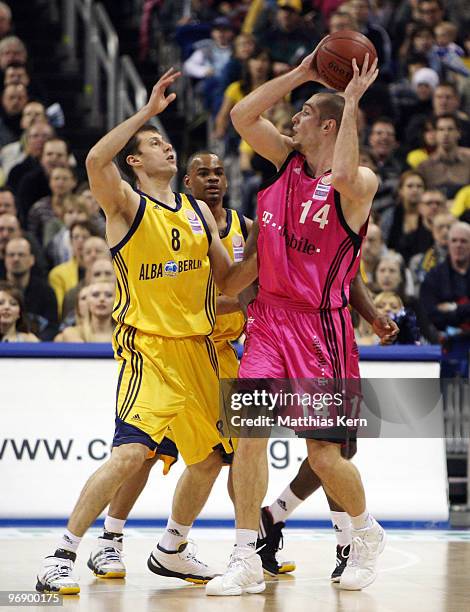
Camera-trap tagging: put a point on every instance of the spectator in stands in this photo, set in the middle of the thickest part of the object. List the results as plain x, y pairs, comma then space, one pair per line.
13, 326
66, 275
421, 263
461, 204
391, 275
14, 99
17, 73
35, 184
341, 20
209, 58
446, 101
448, 168
256, 71
94, 249
383, 146
447, 51
413, 95
287, 40
57, 230
98, 326
403, 218
37, 134
97, 218
243, 47
16, 152
445, 292
426, 146
373, 248
40, 301
5, 20
419, 41
9, 228
7, 202
12, 49
80, 314
389, 303
418, 241
360, 10
62, 182
430, 12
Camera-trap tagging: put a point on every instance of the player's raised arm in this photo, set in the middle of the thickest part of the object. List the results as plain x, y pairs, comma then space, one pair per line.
260, 133
112, 193
355, 183
229, 277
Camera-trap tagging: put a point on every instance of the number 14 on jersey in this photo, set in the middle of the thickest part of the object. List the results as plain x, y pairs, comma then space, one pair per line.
320, 217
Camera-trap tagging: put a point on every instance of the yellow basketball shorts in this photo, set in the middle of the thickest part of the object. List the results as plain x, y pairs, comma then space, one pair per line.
228, 360
168, 387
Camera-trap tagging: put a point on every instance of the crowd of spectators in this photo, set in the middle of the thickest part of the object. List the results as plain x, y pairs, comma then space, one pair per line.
414, 131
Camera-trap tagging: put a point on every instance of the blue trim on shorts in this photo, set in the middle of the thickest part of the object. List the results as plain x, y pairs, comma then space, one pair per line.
125, 433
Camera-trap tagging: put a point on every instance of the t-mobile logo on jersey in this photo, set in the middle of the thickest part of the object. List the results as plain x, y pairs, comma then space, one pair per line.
267, 216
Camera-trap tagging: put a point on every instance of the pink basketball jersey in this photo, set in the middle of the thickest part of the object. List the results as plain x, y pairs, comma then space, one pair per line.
308, 254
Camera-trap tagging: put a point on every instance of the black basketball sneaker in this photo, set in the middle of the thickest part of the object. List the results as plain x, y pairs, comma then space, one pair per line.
270, 541
342, 556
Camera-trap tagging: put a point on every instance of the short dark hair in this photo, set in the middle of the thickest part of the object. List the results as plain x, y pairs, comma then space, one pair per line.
84, 225
383, 119
7, 188
330, 106
447, 116
438, 2
198, 154
449, 85
131, 148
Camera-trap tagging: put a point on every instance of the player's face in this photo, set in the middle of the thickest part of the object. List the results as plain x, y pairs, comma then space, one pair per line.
388, 275
155, 156
101, 299
306, 126
9, 310
207, 180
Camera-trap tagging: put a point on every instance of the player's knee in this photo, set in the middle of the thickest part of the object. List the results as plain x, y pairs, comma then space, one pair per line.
129, 458
210, 467
322, 458
249, 449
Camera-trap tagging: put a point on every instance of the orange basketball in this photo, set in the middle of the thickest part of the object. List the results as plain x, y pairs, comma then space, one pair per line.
335, 53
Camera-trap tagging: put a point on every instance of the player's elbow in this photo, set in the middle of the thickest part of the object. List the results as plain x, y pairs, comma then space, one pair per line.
92, 160
239, 116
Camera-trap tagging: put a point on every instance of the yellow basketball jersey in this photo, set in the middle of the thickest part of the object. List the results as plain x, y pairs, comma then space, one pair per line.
230, 326
164, 278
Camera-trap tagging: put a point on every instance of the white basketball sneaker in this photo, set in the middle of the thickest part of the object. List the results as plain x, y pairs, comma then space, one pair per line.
106, 560
244, 574
361, 568
181, 563
55, 574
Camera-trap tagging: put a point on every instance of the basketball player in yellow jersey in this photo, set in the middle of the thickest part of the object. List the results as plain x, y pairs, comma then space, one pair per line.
167, 251
206, 180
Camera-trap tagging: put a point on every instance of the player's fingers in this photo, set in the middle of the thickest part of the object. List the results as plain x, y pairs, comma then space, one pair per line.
365, 64
355, 66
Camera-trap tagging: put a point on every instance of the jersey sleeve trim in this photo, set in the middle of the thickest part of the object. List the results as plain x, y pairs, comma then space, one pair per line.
243, 227
198, 211
279, 173
135, 224
356, 238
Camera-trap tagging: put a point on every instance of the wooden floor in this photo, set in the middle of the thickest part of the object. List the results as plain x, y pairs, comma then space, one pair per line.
423, 571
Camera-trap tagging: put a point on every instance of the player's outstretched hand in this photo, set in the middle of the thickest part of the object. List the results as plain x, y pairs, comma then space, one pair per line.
385, 328
309, 67
158, 101
362, 79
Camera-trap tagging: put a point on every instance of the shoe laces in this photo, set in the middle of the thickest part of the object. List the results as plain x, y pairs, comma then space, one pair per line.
274, 538
110, 554
190, 553
238, 561
58, 571
360, 550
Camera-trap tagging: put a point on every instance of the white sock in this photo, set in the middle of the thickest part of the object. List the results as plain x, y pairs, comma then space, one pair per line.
284, 505
174, 535
69, 541
342, 526
114, 525
363, 521
246, 538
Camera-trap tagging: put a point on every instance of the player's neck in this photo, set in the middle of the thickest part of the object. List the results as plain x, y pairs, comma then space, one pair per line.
319, 161
220, 215
158, 189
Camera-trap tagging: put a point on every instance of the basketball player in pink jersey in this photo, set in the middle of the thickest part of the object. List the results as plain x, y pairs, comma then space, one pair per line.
313, 215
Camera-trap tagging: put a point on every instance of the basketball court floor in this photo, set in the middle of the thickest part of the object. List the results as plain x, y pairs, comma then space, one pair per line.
423, 571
